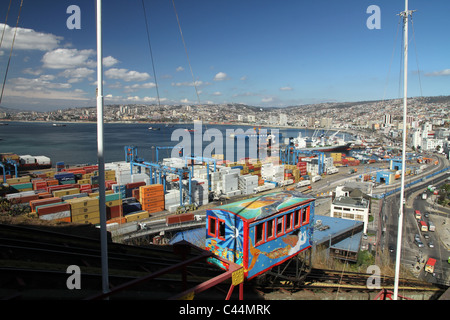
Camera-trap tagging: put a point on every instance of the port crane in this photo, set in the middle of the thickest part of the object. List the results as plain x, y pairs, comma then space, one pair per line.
158, 172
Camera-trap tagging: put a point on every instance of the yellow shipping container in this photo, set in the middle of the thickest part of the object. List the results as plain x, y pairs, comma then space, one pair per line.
85, 210
50, 174
18, 180
82, 202
96, 194
65, 192
114, 203
137, 216
86, 216
88, 175
84, 181
89, 221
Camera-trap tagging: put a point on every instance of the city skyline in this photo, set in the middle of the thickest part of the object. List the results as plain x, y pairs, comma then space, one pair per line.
266, 54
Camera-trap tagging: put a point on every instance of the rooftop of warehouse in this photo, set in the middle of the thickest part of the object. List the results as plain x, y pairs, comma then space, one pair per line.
351, 202
265, 205
330, 227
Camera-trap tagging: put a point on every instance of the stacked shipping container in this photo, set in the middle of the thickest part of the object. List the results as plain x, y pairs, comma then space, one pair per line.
151, 198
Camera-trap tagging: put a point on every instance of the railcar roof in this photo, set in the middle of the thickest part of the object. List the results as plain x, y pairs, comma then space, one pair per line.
260, 207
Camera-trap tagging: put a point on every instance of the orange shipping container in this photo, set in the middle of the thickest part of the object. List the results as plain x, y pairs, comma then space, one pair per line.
118, 220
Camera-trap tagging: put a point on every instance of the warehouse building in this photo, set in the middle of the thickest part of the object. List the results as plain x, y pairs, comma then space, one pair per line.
351, 208
386, 177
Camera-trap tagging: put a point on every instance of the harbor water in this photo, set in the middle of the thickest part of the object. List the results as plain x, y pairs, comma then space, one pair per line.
76, 143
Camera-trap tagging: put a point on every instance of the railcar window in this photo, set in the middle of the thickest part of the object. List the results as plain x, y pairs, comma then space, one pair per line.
259, 228
221, 230
279, 225
305, 215
212, 226
297, 218
288, 222
270, 233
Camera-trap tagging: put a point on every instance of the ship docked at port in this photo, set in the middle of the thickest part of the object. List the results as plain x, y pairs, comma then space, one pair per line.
320, 143
12, 161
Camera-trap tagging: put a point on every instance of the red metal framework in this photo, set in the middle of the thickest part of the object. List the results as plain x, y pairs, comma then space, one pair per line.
234, 272
385, 294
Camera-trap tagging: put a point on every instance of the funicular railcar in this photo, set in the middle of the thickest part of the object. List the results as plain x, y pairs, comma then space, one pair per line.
261, 232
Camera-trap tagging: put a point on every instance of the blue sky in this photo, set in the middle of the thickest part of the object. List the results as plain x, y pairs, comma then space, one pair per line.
263, 53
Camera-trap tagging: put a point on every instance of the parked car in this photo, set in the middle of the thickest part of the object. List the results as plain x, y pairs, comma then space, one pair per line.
431, 244
419, 243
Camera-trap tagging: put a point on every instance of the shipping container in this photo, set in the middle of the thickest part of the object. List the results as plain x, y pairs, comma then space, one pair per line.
137, 216
179, 218
40, 202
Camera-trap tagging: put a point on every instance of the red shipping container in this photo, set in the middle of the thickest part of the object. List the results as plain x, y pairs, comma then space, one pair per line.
134, 185
59, 207
179, 218
40, 202
40, 185
109, 184
45, 195
113, 212
25, 199
85, 187
61, 187
90, 169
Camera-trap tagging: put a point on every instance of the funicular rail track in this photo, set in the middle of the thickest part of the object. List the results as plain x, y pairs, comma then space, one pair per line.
345, 281
31, 258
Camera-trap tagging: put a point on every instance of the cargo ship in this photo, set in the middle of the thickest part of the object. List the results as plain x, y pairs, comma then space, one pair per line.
321, 143
26, 162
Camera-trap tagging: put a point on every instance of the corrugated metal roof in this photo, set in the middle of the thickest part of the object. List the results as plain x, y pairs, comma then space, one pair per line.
336, 228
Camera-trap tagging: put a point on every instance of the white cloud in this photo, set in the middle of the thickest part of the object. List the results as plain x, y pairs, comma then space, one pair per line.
76, 75
135, 87
29, 39
285, 88
43, 83
270, 99
109, 61
68, 58
220, 76
217, 93
179, 69
126, 75
144, 99
187, 84
243, 78
42, 88
445, 72
32, 71
185, 100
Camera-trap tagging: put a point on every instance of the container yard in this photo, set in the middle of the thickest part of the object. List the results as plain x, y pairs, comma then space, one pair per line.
138, 190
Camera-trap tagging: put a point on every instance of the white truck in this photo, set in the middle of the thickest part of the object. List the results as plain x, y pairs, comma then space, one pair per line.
316, 178
332, 170
303, 183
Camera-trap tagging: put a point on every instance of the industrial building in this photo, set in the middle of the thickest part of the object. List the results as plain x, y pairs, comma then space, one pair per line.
386, 177
352, 209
